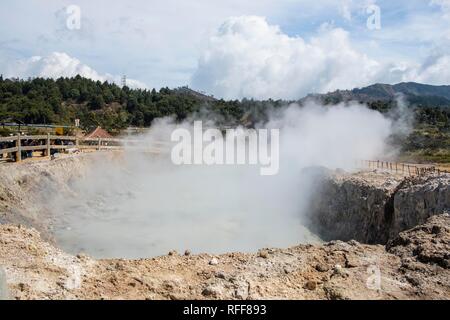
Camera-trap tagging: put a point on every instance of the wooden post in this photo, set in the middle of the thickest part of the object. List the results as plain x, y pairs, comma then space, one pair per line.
19, 149
99, 141
48, 145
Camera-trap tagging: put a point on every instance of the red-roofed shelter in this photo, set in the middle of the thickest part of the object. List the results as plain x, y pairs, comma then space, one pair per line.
98, 133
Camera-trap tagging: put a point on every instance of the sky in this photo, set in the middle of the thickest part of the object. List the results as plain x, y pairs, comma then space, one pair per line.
231, 49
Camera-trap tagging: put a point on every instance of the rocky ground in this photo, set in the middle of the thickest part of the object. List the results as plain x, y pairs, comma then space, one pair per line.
415, 265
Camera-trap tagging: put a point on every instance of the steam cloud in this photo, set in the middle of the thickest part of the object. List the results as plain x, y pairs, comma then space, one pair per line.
140, 205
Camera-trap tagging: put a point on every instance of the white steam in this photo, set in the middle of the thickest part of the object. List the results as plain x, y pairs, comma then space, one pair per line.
141, 205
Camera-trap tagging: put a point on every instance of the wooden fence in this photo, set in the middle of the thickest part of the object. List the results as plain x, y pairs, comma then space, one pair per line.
403, 168
16, 145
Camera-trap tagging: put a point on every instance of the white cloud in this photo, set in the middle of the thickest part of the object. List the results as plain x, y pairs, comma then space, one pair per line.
247, 57
158, 44
435, 70
60, 64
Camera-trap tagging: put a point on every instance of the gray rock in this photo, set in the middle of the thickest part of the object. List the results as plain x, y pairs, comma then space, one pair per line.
347, 207
241, 291
322, 267
311, 285
338, 270
263, 254
212, 290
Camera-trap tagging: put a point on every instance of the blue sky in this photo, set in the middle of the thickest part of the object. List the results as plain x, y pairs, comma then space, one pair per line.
265, 44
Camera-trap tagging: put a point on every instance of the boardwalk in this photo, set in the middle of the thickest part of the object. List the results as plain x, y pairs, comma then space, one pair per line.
14, 147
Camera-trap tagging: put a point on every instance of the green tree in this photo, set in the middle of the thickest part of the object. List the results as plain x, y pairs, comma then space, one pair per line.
97, 102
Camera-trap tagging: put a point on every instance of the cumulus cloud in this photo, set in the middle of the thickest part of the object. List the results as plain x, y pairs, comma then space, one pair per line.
435, 70
247, 57
60, 64
161, 46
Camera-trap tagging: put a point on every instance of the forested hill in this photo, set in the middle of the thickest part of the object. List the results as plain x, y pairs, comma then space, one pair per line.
414, 93
60, 101
47, 101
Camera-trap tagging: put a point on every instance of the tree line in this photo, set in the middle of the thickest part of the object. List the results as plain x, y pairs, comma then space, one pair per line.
95, 103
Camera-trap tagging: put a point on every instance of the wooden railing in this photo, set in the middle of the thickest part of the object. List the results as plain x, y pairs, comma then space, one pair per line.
15, 145
403, 168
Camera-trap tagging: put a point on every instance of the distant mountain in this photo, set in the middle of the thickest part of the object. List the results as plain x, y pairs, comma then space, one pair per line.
415, 93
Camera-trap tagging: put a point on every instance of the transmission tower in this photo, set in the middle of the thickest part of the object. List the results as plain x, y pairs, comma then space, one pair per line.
124, 81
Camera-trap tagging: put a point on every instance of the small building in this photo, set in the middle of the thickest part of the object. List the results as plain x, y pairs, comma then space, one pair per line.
98, 133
